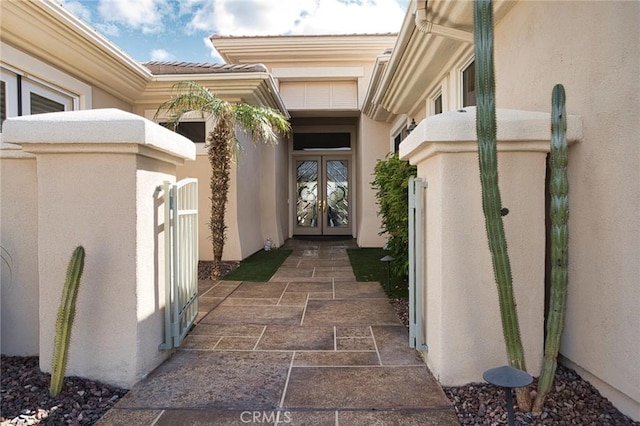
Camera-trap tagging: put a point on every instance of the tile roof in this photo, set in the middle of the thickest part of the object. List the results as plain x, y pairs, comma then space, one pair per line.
163, 68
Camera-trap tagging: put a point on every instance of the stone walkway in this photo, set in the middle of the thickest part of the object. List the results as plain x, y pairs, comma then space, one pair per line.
310, 347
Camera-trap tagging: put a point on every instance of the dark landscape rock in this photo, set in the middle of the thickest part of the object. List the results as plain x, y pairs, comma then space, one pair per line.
573, 401
26, 401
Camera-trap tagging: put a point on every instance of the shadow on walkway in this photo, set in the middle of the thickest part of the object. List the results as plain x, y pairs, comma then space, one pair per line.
310, 347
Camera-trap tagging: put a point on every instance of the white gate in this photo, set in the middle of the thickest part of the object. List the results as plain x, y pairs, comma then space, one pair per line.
417, 289
181, 260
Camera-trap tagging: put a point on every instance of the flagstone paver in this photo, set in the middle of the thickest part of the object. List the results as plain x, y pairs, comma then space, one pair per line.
310, 347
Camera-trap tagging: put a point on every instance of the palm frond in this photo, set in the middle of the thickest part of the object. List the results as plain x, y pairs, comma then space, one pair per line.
263, 123
189, 96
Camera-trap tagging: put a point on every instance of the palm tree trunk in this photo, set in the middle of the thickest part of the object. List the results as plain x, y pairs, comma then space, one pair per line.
220, 159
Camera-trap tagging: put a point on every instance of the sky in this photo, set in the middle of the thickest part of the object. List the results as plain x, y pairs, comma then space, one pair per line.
179, 30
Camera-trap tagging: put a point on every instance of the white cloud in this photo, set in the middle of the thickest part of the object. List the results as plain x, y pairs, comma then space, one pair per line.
268, 17
143, 15
161, 55
78, 9
366, 16
111, 30
213, 53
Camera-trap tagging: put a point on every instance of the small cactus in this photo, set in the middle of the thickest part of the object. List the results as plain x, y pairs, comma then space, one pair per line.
66, 315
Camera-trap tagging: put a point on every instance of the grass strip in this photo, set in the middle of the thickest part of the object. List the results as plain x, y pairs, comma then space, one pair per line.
260, 266
367, 266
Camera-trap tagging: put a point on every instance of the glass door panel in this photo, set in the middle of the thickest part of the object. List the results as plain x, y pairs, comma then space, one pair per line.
308, 198
337, 190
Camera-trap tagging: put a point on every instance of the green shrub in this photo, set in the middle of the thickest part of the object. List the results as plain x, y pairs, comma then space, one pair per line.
391, 183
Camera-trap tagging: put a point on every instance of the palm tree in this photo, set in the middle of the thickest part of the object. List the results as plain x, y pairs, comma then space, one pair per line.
264, 124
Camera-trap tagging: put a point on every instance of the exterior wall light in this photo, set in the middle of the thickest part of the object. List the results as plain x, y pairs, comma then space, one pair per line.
411, 126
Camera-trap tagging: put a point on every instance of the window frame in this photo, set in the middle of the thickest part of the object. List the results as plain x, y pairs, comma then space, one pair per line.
29, 86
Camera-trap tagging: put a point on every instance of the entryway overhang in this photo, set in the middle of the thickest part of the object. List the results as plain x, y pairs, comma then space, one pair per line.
254, 88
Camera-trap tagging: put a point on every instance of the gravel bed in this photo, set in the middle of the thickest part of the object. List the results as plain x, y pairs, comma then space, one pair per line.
573, 401
26, 400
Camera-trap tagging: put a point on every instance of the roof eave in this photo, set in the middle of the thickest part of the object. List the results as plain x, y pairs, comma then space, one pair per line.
274, 49
255, 88
406, 80
64, 39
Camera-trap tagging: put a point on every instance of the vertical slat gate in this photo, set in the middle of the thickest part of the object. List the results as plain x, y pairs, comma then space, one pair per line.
181, 260
417, 224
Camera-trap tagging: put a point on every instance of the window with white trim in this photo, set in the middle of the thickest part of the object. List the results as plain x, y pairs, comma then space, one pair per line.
401, 134
437, 104
24, 96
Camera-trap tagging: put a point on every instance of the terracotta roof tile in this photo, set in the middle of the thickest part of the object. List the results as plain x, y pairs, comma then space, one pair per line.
163, 68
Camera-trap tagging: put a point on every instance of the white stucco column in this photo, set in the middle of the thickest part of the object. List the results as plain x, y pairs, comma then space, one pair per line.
97, 178
464, 332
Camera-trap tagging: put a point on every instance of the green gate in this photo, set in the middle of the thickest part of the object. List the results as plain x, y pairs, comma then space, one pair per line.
181, 260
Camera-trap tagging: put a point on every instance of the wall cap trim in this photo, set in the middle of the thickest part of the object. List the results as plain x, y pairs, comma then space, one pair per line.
455, 132
101, 130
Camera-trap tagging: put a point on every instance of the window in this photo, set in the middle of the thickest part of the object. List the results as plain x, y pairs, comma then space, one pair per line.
469, 85
24, 96
396, 142
41, 105
437, 104
403, 132
3, 107
39, 99
193, 130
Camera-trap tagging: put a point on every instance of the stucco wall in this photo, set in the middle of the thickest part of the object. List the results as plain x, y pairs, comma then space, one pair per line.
592, 48
102, 99
373, 145
19, 237
246, 207
273, 194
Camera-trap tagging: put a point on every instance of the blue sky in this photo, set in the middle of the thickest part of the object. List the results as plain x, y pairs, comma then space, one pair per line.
178, 30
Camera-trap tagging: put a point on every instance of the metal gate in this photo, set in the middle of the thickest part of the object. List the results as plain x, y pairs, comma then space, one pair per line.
181, 260
417, 284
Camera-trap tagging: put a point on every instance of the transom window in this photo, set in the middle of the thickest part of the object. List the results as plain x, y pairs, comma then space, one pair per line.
322, 141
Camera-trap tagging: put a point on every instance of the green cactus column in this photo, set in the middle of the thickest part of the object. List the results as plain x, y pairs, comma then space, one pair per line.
486, 129
66, 315
559, 237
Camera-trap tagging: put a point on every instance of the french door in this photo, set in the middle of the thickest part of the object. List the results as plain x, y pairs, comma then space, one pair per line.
323, 197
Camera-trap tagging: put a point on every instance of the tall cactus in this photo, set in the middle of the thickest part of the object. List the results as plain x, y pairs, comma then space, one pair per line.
66, 314
491, 202
559, 237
